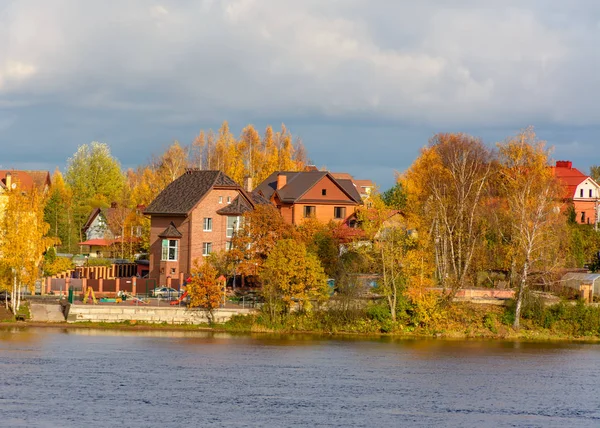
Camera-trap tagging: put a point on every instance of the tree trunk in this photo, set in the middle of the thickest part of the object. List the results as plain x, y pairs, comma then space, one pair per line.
520, 295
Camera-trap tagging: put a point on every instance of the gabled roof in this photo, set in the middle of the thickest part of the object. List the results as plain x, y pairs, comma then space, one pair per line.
170, 232
40, 178
90, 219
179, 197
570, 177
299, 182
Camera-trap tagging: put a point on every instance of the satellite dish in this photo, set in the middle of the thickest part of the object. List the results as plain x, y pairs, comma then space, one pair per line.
14, 185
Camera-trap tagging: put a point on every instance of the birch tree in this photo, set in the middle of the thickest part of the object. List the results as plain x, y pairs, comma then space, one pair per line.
531, 195
447, 187
22, 242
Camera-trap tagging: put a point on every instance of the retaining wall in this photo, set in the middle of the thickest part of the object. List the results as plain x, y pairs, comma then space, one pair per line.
150, 314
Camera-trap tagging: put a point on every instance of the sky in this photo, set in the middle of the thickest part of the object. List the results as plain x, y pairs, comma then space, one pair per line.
364, 83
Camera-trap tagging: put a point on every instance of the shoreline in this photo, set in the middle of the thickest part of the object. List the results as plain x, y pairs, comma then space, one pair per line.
523, 336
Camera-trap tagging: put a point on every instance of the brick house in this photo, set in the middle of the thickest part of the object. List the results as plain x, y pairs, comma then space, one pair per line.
311, 194
195, 215
580, 190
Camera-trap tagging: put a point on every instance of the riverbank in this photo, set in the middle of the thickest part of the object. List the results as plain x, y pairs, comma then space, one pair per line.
560, 322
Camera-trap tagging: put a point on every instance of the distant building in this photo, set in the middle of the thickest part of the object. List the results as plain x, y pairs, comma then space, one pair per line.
580, 190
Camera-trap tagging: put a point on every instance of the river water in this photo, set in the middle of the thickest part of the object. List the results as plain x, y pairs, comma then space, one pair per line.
101, 378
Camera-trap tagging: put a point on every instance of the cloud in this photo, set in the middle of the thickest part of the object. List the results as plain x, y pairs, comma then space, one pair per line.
436, 64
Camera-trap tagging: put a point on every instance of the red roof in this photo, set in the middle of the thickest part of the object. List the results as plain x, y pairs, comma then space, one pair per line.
98, 242
569, 176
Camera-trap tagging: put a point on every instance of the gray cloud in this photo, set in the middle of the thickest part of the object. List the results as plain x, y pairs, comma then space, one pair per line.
345, 75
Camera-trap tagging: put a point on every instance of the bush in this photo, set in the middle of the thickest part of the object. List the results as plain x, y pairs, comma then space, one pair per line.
95, 261
379, 312
57, 265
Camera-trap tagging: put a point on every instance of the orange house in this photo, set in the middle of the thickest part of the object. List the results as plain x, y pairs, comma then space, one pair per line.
311, 194
581, 190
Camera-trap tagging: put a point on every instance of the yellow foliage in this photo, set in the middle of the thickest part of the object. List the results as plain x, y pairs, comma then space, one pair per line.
204, 289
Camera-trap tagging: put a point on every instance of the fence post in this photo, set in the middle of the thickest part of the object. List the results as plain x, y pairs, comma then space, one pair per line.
117, 285
100, 285
134, 285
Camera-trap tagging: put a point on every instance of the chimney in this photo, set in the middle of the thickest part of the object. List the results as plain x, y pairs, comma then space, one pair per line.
564, 164
248, 183
281, 180
8, 180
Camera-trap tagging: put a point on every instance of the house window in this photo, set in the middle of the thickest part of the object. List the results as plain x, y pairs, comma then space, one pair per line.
206, 248
590, 193
228, 245
207, 224
339, 212
220, 199
324, 192
170, 249
581, 193
310, 211
228, 199
233, 225
582, 217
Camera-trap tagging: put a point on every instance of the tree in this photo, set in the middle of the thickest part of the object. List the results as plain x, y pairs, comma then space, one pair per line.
95, 180
94, 174
397, 255
262, 228
395, 197
531, 193
171, 165
447, 187
22, 242
204, 289
291, 274
58, 213
595, 173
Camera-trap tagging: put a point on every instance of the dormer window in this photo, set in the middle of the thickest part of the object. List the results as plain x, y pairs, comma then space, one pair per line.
324, 192
581, 193
228, 199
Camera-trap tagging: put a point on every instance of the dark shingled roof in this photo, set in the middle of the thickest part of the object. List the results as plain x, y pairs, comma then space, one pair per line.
170, 232
240, 204
350, 188
179, 197
298, 183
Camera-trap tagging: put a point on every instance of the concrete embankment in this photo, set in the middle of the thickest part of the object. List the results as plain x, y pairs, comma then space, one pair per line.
113, 314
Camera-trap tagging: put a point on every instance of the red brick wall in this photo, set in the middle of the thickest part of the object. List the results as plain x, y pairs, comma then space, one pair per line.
587, 207
192, 229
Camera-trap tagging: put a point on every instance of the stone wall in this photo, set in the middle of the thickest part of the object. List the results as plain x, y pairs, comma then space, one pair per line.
149, 314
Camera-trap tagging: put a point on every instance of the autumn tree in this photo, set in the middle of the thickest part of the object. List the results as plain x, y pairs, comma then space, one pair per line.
531, 193
95, 179
170, 165
204, 288
595, 173
292, 274
262, 228
22, 242
58, 213
398, 255
447, 187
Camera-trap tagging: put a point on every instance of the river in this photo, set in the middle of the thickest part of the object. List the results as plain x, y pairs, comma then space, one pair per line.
103, 378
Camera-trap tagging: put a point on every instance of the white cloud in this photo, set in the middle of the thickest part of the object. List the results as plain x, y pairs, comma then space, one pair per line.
494, 62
